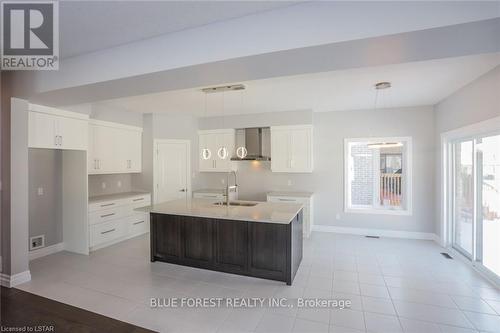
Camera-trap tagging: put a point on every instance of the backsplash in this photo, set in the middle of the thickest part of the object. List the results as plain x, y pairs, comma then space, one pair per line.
108, 184
255, 179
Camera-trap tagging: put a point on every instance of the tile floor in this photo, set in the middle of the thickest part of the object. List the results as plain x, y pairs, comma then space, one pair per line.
395, 285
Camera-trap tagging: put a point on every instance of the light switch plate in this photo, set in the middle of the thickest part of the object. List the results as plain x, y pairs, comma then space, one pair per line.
290, 182
40, 191
119, 183
103, 185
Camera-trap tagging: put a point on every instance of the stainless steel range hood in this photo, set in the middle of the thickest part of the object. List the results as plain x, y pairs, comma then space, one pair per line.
257, 141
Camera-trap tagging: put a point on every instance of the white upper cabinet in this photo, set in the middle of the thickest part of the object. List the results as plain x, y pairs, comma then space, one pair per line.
292, 149
114, 148
213, 140
57, 129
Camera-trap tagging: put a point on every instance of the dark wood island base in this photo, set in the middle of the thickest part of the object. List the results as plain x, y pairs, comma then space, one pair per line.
264, 250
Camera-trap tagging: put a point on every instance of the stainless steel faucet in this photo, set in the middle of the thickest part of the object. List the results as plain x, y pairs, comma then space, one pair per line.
230, 188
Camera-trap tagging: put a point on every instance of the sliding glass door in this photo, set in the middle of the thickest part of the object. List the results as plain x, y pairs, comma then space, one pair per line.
476, 200
464, 197
489, 201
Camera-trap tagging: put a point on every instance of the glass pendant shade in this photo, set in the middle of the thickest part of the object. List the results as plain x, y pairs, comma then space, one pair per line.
241, 152
205, 153
222, 152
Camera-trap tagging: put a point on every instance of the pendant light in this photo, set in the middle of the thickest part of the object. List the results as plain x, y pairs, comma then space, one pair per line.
377, 145
206, 153
241, 151
222, 151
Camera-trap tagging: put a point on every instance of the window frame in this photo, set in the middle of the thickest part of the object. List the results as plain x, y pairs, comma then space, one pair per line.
407, 161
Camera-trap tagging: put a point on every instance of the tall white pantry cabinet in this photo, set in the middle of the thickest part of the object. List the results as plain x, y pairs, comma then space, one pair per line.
88, 147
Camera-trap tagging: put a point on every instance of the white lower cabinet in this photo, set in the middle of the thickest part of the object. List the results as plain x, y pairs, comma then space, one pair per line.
305, 199
115, 220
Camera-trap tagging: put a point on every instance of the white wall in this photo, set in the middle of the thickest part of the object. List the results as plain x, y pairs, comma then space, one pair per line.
476, 102
330, 129
106, 113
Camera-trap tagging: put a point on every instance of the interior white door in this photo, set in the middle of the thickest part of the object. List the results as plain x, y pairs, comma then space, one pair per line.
172, 171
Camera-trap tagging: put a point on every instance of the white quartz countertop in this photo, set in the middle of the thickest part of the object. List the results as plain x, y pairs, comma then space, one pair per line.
290, 194
268, 212
115, 196
210, 190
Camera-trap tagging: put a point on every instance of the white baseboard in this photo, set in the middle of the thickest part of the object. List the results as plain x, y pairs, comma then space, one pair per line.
10, 281
377, 232
45, 251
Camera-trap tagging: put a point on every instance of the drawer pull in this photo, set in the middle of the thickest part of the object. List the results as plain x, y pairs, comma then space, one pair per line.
138, 222
107, 215
138, 199
107, 205
286, 199
108, 231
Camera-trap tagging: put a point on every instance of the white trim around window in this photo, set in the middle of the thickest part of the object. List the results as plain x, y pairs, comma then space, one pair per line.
408, 171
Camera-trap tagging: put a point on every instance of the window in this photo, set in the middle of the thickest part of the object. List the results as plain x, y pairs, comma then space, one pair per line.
378, 175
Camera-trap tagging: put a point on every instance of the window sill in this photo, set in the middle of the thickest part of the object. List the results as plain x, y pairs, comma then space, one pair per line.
378, 211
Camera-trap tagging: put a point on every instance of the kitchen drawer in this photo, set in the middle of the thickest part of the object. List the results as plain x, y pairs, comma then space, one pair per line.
107, 215
138, 224
106, 232
139, 201
97, 206
304, 201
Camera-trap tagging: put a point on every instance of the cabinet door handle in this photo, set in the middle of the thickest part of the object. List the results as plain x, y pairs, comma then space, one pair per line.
108, 231
108, 215
136, 223
138, 199
286, 199
98, 164
60, 140
55, 140
107, 205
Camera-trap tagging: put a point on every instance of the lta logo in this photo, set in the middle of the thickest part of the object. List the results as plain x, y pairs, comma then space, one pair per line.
30, 35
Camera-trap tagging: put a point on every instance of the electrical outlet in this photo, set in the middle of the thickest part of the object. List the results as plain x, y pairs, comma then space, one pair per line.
337, 216
40, 191
290, 183
223, 181
37, 242
119, 183
103, 185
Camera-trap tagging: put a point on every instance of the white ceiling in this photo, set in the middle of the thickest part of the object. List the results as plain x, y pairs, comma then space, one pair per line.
88, 26
413, 84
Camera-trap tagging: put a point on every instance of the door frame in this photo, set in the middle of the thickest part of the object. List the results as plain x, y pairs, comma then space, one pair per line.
156, 142
480, 129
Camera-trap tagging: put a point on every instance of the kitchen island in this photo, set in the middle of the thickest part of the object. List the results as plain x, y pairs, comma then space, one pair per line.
259, 239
